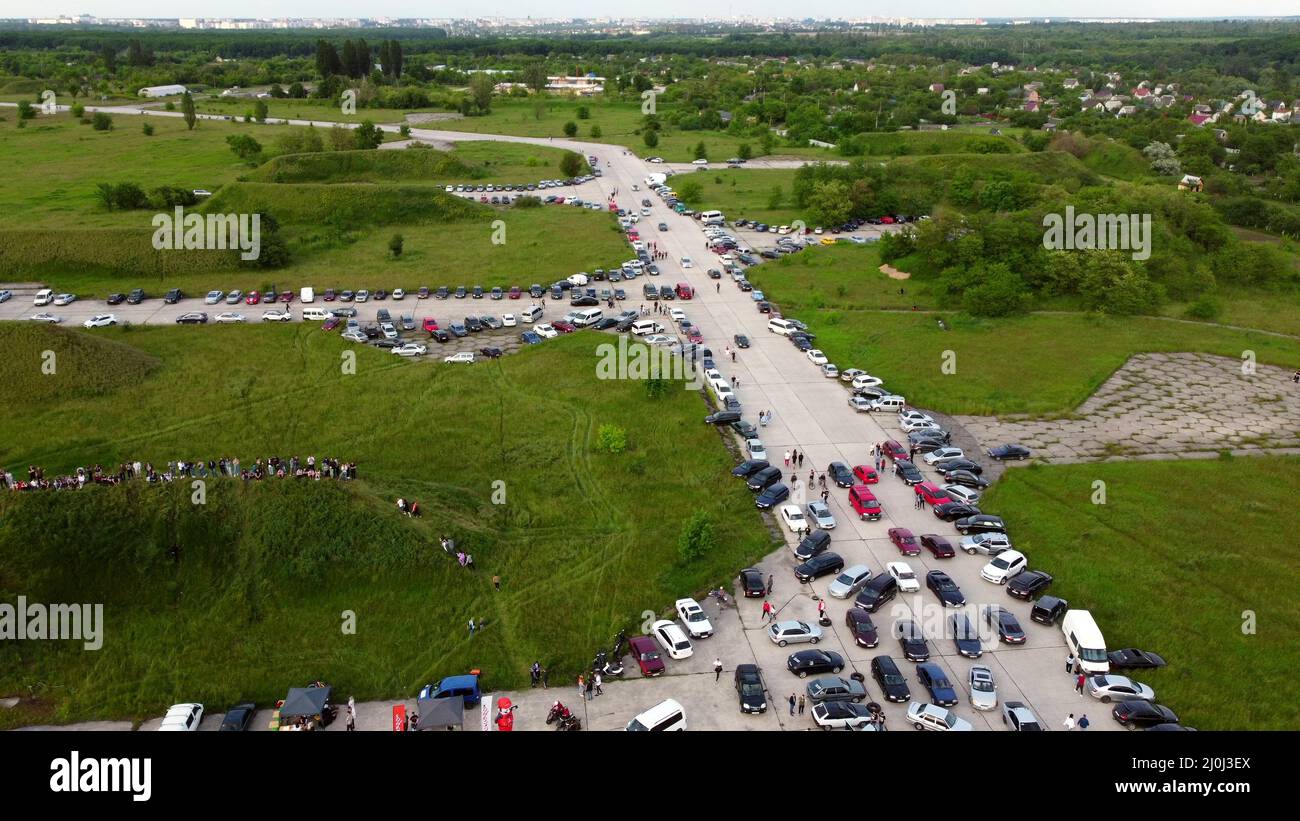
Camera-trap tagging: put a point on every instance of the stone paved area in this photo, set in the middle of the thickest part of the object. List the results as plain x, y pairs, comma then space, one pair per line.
1164, 406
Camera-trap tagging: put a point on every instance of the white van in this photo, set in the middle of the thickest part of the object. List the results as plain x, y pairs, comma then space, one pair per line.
889, 403
307, 294
1085, 641
666, 716
646, 326
316, 314
712, 218
780, 326
578, 279
587, 316
43, 297
531, 314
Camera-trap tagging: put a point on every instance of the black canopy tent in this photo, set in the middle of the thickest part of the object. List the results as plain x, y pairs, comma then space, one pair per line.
306, 701
438, 713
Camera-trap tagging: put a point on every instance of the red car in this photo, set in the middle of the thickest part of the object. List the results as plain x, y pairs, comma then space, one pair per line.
866, 475
430, 324
514, 292
331, 323
646, 653
938, 545
286, 297
894, 450
564, 327
694, 336
864, 503
329, 295
933, 494
253, 298
904, 541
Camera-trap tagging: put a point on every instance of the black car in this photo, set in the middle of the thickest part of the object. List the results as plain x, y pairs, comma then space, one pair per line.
478, 292
952, 511
1132, 658
764, 307
908, 472
741, 340
746, 430
872, 392
606, 324
461, 293
535, 291
926, 445
135, 297
859, 624
750, 690
965, 636
749, 467
890, 678
942, 586
802, 343
876, 593
725, 417
173, 296
237, 718
473, 324
967, 465
763, 478
939, 546
1048, 609
936, 681
1002, 452
813, 662
584, 302
980, 523
820, 565
811, 545
1028, 583
841, 474
116, 299
912, 640
965, 478
440, 335
491, 353
751, 582
1142, 714
1006, 624
772, 496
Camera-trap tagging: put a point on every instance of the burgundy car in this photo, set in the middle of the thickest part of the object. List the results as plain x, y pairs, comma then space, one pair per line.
646, 653
329, 295
938, 545
286, 297
564, 327
894, 450
859, 624
905, 541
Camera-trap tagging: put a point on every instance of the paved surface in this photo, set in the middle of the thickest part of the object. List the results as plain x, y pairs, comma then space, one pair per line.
1165, 406
811, 415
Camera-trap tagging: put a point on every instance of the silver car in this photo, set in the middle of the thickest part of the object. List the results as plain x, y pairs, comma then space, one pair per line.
1110, 688
990, 544
983, 689
834, 688
792, 632
849, 582
821, 516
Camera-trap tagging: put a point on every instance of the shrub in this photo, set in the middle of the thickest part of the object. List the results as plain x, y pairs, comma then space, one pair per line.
697, 539
611, 438
101, 122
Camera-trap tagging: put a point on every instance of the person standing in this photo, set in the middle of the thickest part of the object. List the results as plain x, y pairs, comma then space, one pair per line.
582, 686
787, 458
535, 673
821, 608
352, 721
769, 583
1069, 722
717, 670
600, 691
1083, 722
1069, 663
792, 702
802, 702
472, 627
1078, 684
801, 462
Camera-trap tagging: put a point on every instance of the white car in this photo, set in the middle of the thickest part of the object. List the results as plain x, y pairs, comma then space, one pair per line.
578, 280
849, 581
1110, 688
1003, 566
229, 316
861, 404
43, 297
699, 162
983, 689
672, 638
508, 320
463, 356
6, 295
655, 159
787, 632
354, 335
686, 262
990, 544
100, 321
645, 212
794, 519
961, 493
50, 318
65, 299
213, 297
677, 314
399, 293
693, 618
755, 449
276, 315
817, 357
934, 717
820, 514
411, 349
905, 576
940, 454
904, 415
866, 380
917, 424
659, 339
388, 329
182, 718
839, 715
545, 331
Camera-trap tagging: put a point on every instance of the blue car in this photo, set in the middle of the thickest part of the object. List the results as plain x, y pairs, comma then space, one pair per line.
451, 686
756, 295
934, 679
530, 338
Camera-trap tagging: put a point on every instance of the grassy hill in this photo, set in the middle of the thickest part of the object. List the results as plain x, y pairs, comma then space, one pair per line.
79, 364
348, 204
360, 166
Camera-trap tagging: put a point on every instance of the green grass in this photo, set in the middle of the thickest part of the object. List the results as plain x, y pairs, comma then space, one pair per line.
242, 597
1161, 571
318, 110
844, 276
747, 193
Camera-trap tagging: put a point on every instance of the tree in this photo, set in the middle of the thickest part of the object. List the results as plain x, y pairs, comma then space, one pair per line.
570, 129
571, 164
584, 113
535, 77
829, 202
245, 147
187, 110
1162, 157
260, 111
480, 91
701, 151
396, 58
689, 189
101, 122
611, 438
697, 539
775, 197
26, 110
328, 63
395, 245
349, 58
651, 137
368, 135
109, 55
147, 128
596, 133
745, 152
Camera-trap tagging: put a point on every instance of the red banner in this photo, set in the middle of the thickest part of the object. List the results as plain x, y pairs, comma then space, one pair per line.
399, 717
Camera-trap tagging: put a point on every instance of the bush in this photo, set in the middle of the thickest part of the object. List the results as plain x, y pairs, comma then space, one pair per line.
101, 122
697, 539
570, 129
1206, 308
611, 438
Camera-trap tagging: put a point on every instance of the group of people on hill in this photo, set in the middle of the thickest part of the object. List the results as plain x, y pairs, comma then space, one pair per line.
272, 467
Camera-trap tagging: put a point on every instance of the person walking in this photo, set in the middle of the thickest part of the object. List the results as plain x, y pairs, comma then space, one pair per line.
1078, 684
769, 584
717, 670
787, 458
535, 673
1083, 722
794, 455
801, 460
719, 287
767, 610
1069, 663
821, 609
582, 685
733, 356
826, 496
1069, 722
352, 721
599, 690
792, 702
812, 476
472, 627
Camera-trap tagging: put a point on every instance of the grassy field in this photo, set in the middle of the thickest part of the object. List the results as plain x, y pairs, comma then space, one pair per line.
240, 598
1158, 573
843, 276
747, 193
319, 110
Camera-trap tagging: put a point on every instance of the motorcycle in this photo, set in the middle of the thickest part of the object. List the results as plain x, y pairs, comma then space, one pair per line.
606, 666
620, 644
562, 718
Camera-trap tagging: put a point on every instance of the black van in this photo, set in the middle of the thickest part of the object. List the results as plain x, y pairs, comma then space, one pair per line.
764, 478
812, 544
1048, 609
890, 679
879, 590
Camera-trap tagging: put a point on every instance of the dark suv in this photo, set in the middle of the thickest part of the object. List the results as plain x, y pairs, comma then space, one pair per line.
750, 689
890, 679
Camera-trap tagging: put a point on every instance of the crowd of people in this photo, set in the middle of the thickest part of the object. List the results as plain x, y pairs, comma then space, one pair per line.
271, 467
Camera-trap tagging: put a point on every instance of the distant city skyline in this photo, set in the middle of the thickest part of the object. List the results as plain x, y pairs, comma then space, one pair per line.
664, 9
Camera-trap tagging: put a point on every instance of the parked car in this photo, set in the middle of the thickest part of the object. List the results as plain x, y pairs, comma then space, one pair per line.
890, 679
820, 565
672, 639
647, 656
912, 640
983, 688
1005, 623
1029, 583
1133, 714
965, 636
934, 717
693, 618
980, 523
751, 582
834, 688
1004, 452
932, 677
1109, 687
939, 546
842, 715
238, 718
905, 541
1020, 718
841, 474
945, 589
794, 632
819, 513
813, 544
771, 496
861, 627
183, 718
1131, 658
814, 662
1002, 567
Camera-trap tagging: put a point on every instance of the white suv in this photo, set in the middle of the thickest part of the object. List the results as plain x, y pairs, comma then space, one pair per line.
182, 718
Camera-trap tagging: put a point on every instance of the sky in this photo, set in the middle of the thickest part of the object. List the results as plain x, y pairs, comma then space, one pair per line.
658, 8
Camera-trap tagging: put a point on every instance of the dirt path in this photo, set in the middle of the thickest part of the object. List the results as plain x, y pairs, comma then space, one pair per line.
894, 273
